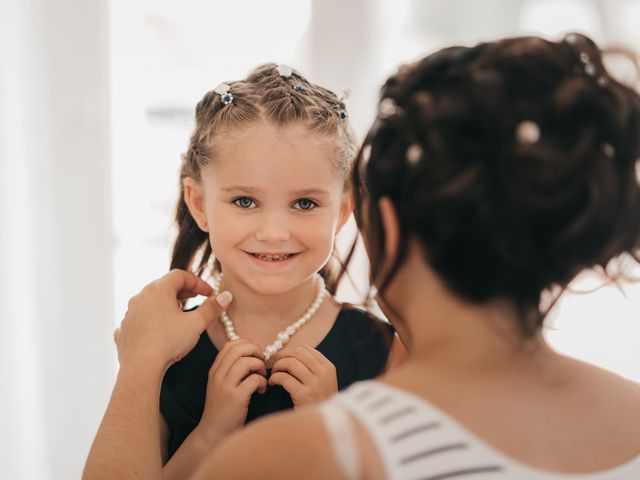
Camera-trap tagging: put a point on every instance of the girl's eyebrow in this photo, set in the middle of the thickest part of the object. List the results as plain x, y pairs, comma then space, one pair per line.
307, 191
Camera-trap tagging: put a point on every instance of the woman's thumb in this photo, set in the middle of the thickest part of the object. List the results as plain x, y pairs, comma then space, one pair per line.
213, 306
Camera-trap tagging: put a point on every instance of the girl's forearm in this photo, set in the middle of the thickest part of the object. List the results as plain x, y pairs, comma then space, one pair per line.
127, 445
196, 447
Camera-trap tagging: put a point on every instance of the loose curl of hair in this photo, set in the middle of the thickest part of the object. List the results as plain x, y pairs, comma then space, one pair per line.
265, 96
498, 218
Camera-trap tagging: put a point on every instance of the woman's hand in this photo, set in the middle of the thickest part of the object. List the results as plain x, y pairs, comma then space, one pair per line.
236, 374
155, 329
306, 374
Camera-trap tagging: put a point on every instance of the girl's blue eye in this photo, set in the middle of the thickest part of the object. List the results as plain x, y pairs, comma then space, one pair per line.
243, 202
306, 204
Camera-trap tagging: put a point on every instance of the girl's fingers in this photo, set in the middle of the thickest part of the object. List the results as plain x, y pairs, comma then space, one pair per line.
294, 367
242, 368
305, 356
286, 381
230, 354
318, 355
253, 383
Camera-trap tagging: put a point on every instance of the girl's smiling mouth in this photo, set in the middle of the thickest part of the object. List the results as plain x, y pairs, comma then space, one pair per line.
272, 257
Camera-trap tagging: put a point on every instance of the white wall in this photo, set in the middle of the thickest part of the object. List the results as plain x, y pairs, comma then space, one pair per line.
56, 358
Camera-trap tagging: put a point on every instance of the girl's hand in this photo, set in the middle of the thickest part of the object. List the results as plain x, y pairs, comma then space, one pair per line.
306, 374
155, 331
237, 373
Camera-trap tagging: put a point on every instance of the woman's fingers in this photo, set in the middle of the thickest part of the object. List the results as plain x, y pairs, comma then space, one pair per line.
184, 283
210, 309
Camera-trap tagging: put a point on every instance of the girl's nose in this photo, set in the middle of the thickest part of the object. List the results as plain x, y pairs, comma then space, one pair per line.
272, 229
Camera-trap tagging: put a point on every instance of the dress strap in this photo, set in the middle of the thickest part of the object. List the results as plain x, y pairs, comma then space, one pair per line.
343, 439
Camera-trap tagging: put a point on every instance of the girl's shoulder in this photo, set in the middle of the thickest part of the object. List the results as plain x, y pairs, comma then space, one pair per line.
360, 318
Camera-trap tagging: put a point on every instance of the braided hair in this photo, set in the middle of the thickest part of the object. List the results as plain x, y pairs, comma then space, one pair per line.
280, 100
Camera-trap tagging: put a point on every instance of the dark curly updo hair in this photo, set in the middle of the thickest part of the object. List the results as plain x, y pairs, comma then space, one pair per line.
513, 163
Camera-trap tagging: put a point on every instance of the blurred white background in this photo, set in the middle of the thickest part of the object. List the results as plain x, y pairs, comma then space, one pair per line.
96, 106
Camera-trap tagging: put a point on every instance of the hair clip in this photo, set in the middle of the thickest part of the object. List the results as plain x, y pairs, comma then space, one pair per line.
527, 132
342, 114
225, 95
298, 87
284, 70
571, 39
387, 108
414, 154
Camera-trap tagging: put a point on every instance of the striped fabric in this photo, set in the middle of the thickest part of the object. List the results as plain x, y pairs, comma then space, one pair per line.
418, 441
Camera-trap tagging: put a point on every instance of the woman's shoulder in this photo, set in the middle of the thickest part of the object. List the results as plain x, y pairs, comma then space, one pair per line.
282, 433
620, 395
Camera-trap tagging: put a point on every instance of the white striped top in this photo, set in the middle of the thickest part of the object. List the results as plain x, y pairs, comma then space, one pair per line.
416, 440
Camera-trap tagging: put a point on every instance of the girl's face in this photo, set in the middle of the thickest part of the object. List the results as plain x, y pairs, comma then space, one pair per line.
273, 203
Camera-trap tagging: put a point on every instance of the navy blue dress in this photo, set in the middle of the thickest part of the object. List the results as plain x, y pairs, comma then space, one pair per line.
357, 344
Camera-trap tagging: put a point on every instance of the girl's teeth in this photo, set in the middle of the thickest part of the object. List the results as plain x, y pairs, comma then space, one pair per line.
272, 258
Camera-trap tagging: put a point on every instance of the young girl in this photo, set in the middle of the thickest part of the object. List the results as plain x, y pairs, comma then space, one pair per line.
264, 192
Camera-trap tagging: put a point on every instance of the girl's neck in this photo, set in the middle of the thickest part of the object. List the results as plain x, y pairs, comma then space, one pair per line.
254, 313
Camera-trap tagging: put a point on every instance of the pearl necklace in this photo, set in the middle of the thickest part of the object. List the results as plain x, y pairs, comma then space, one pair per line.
282, 337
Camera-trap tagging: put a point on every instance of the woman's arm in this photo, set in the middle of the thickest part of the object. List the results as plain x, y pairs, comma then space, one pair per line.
154, 333
127, 443
293, 444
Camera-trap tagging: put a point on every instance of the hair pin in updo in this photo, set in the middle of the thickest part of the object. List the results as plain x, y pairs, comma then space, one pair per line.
387, 108
414, 154
527, 132
225, 95
574, 40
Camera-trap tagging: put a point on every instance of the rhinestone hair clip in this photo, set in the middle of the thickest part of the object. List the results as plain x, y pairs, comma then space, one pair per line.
286, 71
225, 95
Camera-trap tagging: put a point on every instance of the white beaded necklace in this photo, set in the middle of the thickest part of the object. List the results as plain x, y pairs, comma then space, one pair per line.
283, 337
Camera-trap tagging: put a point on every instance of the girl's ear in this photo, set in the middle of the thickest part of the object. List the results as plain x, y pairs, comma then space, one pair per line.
391, 227
194, 198
345, 210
